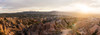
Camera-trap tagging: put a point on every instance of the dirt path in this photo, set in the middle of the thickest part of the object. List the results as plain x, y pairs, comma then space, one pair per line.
66, 31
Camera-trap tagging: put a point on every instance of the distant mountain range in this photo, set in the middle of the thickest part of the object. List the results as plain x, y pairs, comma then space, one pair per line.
48, 13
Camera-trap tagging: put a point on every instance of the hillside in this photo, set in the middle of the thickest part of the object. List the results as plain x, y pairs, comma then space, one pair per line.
47, 23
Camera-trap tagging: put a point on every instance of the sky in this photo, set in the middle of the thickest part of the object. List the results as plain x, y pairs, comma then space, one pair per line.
86, 6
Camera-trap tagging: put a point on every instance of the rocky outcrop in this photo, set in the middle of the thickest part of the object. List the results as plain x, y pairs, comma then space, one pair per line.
27, 26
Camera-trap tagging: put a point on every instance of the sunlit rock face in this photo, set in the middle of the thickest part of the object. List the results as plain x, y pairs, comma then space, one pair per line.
49, 26
89, 26
27, 26
31, 26
9, 26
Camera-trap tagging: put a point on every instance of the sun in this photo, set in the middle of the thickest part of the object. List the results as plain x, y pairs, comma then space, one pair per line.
83, 8
77, 7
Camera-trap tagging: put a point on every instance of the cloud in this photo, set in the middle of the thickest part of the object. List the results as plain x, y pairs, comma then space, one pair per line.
14, 4
21, 5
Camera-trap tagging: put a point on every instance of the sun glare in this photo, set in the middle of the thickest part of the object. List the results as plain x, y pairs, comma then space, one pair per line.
83, 8
80, 8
